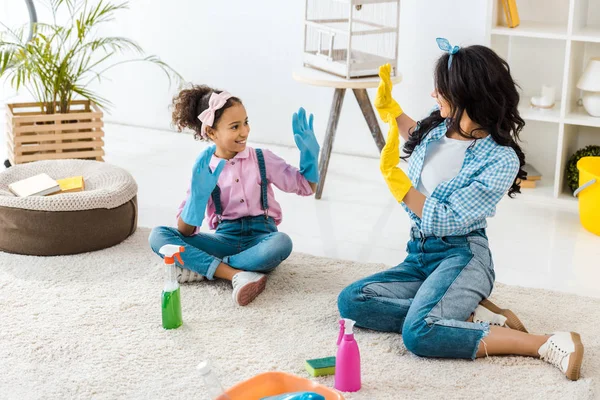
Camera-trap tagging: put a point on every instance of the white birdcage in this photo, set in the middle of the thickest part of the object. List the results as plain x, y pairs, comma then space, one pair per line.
351, 38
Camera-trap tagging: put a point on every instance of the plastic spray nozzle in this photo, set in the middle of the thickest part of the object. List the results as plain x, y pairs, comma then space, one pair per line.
346, 327
349, 326
178, 257
172, 252
341, 334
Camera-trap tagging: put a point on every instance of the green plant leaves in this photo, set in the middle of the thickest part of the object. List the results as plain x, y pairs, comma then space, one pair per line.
571, 171
60, 62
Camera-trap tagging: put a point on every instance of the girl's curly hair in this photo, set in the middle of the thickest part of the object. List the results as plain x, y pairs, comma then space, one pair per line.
189, 103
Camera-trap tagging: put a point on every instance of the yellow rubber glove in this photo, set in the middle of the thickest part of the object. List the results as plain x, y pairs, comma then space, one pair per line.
396, 179
384, 103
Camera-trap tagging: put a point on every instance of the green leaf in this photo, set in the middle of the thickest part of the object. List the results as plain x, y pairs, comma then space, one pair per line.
61, 60
571, 170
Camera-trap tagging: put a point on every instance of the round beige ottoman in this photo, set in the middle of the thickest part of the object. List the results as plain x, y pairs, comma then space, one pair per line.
102, 215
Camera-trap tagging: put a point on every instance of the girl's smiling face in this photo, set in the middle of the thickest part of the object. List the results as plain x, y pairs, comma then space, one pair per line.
445, 108
231, 132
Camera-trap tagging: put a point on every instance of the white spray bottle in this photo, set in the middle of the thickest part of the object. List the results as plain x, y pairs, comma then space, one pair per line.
211, 382
171, 296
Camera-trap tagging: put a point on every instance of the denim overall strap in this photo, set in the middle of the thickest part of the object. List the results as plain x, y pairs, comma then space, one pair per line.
216, 198
264, 202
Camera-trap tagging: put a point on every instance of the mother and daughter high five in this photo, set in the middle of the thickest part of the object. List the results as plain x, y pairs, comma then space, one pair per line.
463, 158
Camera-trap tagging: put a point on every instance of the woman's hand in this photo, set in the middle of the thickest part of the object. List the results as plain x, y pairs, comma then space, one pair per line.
203, 183
305, 139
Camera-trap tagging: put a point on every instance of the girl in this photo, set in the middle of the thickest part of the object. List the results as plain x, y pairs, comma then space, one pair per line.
463, 158
232, 183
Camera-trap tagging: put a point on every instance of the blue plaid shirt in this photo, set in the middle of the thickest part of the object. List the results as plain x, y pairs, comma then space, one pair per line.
462, 204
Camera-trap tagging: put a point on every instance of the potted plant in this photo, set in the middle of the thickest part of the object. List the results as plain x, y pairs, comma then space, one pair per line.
571, 170
56, 63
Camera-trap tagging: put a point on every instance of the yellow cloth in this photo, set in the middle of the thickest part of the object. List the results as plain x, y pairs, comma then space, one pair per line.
384, 103
397, 181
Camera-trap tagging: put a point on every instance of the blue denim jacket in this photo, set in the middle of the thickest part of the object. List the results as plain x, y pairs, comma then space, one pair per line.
462, 204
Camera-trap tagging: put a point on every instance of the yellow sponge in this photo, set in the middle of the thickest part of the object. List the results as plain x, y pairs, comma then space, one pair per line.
72, 184
321, 366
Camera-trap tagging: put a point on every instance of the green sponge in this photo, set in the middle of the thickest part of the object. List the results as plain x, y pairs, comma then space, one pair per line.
321, 366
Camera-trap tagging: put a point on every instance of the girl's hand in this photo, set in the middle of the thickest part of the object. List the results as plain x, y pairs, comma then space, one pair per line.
385, 104
203, 183
305, 139
398, 182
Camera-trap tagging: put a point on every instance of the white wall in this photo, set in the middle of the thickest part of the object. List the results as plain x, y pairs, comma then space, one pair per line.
250, 48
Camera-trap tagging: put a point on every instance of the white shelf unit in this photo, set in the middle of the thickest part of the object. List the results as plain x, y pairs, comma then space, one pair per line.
551, 46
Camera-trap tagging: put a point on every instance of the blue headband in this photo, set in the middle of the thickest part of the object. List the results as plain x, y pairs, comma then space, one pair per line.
445, 45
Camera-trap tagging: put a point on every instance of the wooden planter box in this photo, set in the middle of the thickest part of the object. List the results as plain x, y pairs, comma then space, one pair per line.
33, 136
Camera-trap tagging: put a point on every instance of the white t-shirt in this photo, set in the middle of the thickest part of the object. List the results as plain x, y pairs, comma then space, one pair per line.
443, 161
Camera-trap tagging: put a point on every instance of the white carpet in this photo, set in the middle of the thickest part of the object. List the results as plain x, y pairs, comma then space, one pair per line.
89, 326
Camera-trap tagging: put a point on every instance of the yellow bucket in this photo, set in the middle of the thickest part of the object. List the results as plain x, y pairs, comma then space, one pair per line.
589, 193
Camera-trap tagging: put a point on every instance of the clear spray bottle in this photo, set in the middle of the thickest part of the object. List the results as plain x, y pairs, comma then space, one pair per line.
171, 295
211, 382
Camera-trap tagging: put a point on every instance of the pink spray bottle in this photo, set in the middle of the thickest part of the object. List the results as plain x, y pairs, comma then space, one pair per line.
347, 362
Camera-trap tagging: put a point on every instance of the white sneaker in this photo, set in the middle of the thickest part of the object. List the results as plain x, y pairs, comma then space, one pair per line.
564, 350
185, 275
488, 312
247, 285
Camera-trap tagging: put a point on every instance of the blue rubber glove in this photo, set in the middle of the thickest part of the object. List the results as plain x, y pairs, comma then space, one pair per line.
305, 139
203, 183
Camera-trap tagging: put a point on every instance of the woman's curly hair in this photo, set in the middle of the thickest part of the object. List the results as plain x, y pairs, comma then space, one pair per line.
478, 82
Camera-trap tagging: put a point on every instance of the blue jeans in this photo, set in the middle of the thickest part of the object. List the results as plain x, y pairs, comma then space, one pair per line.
248, 244
429, 296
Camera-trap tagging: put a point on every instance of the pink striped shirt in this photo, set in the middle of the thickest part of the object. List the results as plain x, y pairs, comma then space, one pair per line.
240, 186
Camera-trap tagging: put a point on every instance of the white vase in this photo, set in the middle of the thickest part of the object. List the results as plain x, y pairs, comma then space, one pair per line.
591, 103
546, 100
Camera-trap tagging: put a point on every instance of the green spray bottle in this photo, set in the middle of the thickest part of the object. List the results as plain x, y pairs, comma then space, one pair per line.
171, 295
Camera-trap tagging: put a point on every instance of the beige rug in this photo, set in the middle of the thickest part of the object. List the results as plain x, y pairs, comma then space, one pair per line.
89, 326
